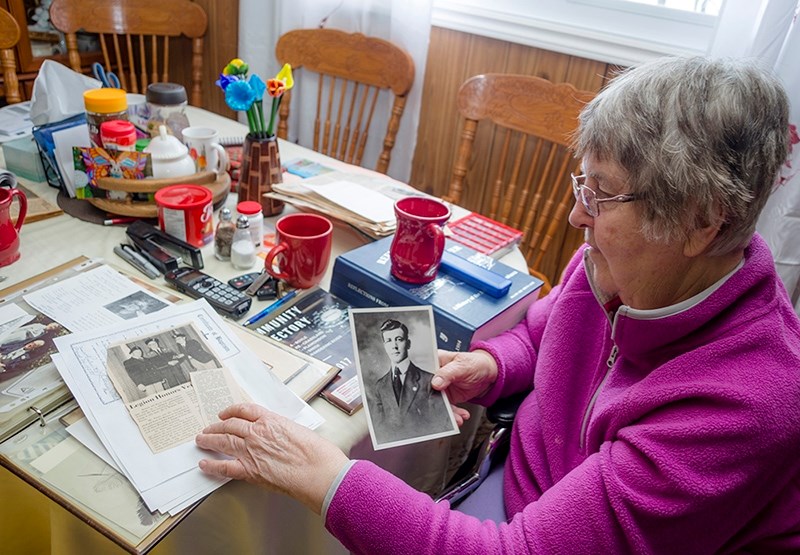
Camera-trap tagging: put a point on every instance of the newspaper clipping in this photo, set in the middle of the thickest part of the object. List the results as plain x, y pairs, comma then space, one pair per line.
172, 384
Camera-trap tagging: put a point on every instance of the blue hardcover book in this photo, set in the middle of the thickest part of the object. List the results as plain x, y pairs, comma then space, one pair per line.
462, 313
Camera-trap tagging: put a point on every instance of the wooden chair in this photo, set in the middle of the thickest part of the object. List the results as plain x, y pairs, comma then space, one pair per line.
353, 69
134, 37
9, 36
526, 168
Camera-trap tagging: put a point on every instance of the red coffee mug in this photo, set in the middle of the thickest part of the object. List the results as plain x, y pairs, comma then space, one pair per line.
418, 243
9, 231
303, 250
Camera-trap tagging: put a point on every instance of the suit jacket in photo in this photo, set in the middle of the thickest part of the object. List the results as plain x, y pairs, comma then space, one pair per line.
421, 411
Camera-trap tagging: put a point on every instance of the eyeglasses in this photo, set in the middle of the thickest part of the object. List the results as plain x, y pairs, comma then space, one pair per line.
588, 197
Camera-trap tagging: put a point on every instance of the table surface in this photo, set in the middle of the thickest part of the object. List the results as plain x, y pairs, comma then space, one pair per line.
48, 243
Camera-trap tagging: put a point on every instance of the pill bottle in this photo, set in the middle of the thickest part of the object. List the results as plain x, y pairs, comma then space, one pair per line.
243, 253
118, 135
103, 105
252, 210
166, 105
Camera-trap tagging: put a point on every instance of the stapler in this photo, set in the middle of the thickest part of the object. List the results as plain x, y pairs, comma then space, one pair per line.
163, 250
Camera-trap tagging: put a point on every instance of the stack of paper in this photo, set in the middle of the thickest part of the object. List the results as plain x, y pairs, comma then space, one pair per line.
161, 468
363, 200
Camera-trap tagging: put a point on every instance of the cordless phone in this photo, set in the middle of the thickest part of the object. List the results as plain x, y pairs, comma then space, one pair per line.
221, 296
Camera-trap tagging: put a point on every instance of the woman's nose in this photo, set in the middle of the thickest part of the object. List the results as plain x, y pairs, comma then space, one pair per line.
579, 217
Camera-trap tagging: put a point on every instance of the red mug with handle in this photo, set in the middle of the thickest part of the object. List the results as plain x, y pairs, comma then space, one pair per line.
9, 231
303, 250
418, 243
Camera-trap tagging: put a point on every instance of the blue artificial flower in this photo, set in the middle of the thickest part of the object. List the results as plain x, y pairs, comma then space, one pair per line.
239, 95
258, 86
225, 80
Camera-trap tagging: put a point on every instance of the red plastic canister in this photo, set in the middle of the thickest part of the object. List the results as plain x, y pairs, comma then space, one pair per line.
186, 212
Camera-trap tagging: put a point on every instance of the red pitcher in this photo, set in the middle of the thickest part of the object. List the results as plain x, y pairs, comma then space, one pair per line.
9, 231
418, 243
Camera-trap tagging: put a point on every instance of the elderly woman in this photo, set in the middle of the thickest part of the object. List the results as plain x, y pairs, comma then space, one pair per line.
664, 371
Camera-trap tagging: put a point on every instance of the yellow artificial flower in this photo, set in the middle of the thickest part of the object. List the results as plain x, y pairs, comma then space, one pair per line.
285, 75
236, 67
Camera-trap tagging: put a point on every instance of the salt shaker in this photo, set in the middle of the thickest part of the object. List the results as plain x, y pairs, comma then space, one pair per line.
223, 237
243, 252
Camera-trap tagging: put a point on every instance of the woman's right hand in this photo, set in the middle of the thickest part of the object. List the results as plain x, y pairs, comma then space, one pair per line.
464, 376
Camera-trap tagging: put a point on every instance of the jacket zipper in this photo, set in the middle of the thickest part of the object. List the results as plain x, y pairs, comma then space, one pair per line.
612, 358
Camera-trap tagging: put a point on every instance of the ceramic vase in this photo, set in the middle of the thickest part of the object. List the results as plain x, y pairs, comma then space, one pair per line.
261, 167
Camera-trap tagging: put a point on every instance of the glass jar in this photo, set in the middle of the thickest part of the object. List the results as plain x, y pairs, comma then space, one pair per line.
223, 236
252, 210
103, 105
118, 135
243, 253
166, 105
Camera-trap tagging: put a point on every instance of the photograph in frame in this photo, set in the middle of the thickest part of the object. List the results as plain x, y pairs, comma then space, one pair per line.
396, 356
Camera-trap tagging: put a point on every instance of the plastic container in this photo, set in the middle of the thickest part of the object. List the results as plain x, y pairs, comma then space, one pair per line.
166, 105
118, 135
243, 252
185, 212
252, 210
103, 105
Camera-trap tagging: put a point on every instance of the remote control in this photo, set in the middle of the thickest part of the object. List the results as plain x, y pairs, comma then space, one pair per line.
240, 283
221, 296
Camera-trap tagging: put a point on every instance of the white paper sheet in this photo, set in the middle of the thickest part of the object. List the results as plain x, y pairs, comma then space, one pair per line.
370, 204
94, 299
82, 365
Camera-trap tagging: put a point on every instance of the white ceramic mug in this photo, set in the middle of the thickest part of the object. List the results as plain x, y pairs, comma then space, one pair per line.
205, 150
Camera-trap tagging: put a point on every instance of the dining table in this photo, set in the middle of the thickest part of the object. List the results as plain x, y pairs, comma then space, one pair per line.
238, 517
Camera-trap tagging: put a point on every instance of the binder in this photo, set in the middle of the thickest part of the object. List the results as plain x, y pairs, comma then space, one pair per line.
34, 443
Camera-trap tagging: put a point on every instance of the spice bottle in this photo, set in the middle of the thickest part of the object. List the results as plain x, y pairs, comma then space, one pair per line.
118, 135
243, 252
223, 237
252, 210
103, 105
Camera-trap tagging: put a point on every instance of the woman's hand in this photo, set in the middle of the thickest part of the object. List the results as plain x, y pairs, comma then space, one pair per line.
464, 376
272, 451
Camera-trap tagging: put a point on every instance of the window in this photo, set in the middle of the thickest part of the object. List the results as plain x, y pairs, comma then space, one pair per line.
623, 32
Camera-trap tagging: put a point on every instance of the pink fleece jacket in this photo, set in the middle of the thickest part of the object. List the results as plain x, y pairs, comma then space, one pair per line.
687, 441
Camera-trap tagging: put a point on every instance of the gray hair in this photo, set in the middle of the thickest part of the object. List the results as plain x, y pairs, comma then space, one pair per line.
698, 138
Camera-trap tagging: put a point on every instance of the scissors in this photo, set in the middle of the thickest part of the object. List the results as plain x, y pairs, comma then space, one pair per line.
108, 79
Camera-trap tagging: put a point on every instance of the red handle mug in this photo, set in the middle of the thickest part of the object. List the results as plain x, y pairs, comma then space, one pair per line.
303, 250
9, 231
418, 243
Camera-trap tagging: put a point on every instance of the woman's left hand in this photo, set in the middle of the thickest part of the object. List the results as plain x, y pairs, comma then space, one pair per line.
272, 451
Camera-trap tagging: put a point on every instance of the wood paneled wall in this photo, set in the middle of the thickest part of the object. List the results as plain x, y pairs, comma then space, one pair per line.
220, 46
453, 57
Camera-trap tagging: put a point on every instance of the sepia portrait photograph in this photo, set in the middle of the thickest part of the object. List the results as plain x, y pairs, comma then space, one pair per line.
159, 362
135, 304
396, 357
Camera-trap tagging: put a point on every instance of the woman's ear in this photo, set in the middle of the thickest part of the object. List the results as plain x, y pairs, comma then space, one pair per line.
704, 232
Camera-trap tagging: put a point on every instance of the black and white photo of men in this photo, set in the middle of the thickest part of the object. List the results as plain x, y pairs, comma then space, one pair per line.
396, 356
156, 363
135, 305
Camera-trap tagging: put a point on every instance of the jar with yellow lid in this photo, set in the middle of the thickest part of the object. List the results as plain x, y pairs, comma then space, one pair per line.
103, 105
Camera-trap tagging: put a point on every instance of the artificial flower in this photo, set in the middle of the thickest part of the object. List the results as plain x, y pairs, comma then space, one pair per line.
243, 93
240, 95
225, 80
236, 67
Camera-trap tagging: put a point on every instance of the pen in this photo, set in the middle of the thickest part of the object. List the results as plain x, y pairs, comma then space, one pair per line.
283, 300
150, 268
128, 257
115, 221
139, 261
